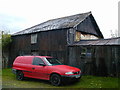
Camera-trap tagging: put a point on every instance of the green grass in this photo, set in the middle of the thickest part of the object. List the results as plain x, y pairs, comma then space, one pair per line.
9, 81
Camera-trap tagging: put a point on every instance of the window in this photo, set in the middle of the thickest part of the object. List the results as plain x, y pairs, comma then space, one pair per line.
37, 61
33, 38
86, 53
88, 36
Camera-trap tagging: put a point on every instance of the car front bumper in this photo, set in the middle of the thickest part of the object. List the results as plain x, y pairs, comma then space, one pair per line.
71, 77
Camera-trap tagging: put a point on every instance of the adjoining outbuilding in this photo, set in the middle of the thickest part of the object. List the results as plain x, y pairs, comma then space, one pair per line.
96, 57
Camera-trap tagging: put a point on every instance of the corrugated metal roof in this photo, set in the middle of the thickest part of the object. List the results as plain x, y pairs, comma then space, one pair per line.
60, 23
111, 41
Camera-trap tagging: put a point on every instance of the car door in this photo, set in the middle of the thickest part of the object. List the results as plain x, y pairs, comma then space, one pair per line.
38, 68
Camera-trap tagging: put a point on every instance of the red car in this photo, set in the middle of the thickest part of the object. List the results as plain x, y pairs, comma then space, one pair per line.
44, 67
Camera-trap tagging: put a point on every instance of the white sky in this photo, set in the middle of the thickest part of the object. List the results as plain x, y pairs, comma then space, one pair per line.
16, 15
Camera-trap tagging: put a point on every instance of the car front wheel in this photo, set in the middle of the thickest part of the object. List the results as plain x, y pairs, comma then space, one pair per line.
55, 79
20, 75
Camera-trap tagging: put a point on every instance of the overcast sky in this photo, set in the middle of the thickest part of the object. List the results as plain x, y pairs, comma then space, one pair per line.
17, 15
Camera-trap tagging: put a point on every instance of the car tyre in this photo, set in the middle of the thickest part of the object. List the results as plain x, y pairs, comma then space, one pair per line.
55, 79
20, 75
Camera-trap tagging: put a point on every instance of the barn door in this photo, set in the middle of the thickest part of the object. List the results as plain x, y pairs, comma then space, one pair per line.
86, 60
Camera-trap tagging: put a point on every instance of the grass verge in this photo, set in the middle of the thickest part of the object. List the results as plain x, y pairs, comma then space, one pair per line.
9, 81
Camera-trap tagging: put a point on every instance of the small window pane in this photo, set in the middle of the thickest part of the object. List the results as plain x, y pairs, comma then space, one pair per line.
37, 61
34, 38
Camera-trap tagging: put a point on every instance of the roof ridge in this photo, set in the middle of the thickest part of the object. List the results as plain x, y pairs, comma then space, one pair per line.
69, 16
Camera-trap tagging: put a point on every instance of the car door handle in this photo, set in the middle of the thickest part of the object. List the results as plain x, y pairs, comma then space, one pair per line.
33, 68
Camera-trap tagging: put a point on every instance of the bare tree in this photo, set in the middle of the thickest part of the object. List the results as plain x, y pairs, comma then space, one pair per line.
114, 33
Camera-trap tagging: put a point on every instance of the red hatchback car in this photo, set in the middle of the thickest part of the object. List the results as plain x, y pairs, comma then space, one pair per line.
44, 67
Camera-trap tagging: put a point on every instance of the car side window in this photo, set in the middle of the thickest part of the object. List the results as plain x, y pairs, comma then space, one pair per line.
37, 61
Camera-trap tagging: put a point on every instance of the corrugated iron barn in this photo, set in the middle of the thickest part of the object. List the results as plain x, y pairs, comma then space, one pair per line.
76, 40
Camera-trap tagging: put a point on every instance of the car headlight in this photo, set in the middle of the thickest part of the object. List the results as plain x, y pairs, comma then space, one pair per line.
69, 73
80, 71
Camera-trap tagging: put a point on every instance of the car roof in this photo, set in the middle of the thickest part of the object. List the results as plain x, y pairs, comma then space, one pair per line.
36, 56
44, 56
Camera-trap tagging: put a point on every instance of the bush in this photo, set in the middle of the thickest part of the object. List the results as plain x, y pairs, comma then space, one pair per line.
6, 40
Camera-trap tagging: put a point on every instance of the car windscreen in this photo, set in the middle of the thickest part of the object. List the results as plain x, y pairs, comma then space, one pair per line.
54, 61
